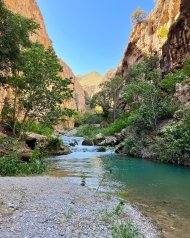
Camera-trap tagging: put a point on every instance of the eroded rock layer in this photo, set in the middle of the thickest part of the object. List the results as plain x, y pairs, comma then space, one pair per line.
177, 47
147, 37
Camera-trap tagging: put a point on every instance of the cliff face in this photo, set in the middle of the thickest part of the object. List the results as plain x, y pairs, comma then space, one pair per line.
109, 74
147, 37
177, 47
30, 9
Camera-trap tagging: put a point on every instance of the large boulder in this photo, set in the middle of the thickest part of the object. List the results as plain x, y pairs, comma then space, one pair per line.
25, 153
101, 149
64, 150
33, 138
178, 115
120, 148
123, 134
109, 141
99, 138
88, 142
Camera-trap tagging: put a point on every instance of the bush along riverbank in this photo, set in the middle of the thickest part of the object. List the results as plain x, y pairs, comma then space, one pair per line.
149, 116
27, 155
33, 95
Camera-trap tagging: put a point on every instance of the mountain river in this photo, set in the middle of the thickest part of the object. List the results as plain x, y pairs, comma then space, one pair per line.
160, 191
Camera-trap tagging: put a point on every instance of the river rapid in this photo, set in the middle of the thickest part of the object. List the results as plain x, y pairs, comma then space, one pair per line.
160, 191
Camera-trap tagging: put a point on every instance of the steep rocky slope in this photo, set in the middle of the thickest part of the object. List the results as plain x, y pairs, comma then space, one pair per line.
30, 9
90, 82
109, 74
177, 47
147, 37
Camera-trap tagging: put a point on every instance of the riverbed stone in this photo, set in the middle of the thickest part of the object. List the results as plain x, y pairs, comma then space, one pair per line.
57, 207
33, 138
88, 141
101, 149
99, 138
109, 141
119, 149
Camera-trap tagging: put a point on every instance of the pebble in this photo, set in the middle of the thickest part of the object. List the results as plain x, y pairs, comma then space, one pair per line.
57, 207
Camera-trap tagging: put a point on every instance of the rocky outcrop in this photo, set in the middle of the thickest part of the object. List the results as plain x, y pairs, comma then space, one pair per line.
30, 9
177, 47
88, 141
147, 37
183, 93
109, 74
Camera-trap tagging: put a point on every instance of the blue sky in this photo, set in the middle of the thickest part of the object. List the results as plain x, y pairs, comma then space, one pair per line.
90, 35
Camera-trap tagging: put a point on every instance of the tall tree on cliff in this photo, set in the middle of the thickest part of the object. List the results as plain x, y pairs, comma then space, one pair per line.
15, 32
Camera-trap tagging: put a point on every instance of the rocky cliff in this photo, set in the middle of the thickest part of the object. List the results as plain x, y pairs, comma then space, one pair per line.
30, 9
177, 47
148, 37
109, 74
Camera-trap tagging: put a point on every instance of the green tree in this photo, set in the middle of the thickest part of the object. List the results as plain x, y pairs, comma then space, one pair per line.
143, 95
15, 32
38, 90
109, 96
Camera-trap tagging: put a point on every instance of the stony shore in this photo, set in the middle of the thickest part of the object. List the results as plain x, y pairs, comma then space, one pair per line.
56, 207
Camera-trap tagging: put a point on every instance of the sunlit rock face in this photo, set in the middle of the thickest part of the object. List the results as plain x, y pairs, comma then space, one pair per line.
177, 47
91, 82
145, 39
30, 9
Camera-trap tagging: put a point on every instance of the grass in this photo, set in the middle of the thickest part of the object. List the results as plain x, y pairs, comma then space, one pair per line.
113, 128
126, 230
39, 129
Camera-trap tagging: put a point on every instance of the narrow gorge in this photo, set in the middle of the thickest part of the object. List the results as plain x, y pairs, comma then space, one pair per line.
93, 143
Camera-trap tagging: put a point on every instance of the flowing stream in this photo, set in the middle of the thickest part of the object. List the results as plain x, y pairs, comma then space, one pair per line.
160, 191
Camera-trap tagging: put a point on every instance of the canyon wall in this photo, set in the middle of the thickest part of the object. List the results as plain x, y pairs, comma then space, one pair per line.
147, 37
177, 47
30, 9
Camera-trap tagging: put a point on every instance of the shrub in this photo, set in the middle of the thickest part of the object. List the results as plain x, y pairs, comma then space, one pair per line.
115, 127
169, 82
54, 144
11, 165
133, 146
125, 231
163, 32
87, 131
91, 118
39, 128
186, 67
175, 145
112, 128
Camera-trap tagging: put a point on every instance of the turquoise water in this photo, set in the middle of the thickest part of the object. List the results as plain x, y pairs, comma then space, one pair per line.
161, 191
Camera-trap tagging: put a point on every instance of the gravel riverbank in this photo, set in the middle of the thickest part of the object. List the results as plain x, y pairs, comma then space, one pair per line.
48, 207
